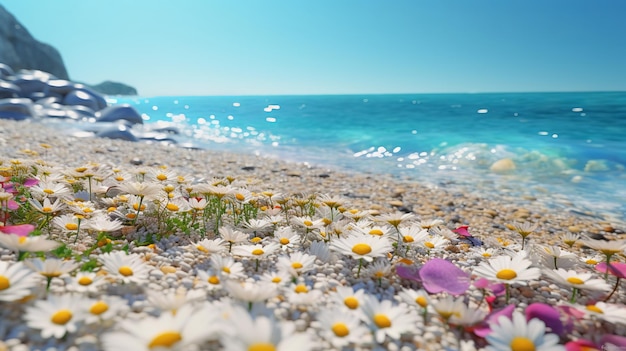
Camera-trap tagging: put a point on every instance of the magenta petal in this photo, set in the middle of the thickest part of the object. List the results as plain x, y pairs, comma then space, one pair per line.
462, 230
408, 272
19, 230
617, 269
30, 182
485, 329
580, 345
12, 205
549, 315
440, 275
619, 341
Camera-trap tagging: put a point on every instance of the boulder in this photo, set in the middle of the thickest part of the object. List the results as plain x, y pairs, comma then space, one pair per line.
19, 50
16, 109
119, 113
81, 98
118, 132
8, 90
504, 165
5, 70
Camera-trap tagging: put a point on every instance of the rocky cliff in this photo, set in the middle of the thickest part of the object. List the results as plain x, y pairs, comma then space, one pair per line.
20, 50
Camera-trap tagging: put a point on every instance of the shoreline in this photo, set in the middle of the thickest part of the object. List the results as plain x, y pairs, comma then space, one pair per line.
175, 262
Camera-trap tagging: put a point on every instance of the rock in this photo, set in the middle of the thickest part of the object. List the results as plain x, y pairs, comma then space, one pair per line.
8, 90
503, 166
114, 88
19, 50
117, 132
83, 98
119, 113
5, 70
16, 109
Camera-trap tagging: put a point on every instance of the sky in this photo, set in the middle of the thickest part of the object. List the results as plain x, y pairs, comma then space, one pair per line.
287, 47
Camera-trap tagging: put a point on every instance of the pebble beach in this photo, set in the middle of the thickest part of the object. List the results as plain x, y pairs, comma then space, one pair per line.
176, 263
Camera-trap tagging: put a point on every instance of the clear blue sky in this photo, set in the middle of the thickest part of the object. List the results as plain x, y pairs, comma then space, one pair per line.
231, 47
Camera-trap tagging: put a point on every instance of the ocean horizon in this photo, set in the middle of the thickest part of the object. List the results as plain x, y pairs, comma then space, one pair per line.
565, 149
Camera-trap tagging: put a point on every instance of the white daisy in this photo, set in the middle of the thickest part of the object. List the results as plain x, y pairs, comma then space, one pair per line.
211, 246
46, 207
286, 237
346, 297
227, 267
517, 334
249, 292
416, 298
576, 280
276, 277
180, 331
172, 300
508, 269
245, 333
395, 219
105, 309
51, 267
386, 319
232, 236
56, 316
413, 234
302, 295
50, 189
102, 223
128, 268
612, 313
449, 307
296, 263
554, 257
85, 282
210, 280
321, 251
365, 247
19, 243
146, 190
16, 281
434, 243
255, 251
341, 329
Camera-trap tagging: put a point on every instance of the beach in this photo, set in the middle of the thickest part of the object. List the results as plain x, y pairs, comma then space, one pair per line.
489, 214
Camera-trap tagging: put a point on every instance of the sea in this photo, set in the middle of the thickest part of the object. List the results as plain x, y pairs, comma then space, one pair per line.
566, 150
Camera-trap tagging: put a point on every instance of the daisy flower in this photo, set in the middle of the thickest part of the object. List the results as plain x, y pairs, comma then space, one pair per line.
286, 237
413, 234
434, 243
364, 247
346, 297
517, 334
172, 300
378, 270
85, 282
249, 292
147, 190
56, 316
276, 277
449, 307
68, 223
128, 268
508, 270
232, 236
302, 295
570, 238
321, 250
576, 280
180, 331
255, 251
553, 257
523, 229
483, 252
27, 243
385, 319
395, 219
297, 263
102, 223
417, 298
227, 267
211, 246
16, 281
105, 308
46, 207
608, 248
161, 175
50, 189
245, 333
51, 267
591, 260
341, 329
611, 313
210, 280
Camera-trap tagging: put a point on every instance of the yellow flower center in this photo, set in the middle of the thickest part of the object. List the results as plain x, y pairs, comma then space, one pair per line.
71, 226
172, 207
284, 241
226, 270
421, 300
119, 178
201, 248
240, 197
379, 274
80, 169
301, 288
351, 302
382, 321
84, 281
255, 240
408, 239
257, 252
591, 261
125, 271
46, 209
5, 283
136, 207
161, 177
276, 280
165, 339
575, 280
22, 240
61, 317
429, 245
169, 188
361, 249
520, 343
48, 191
296, 265
51, 274
308, 223
340, 329
506, 274
99, 308
262, 346
594, 308
213, 280
486, 254
376, 231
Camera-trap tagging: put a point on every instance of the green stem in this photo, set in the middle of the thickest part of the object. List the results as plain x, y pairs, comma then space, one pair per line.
613, 291
608, 262
48, 284
77, 231
358, 272
574, 293
138, 209
507, 296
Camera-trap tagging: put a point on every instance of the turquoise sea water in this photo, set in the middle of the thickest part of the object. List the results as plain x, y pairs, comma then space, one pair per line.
568, 147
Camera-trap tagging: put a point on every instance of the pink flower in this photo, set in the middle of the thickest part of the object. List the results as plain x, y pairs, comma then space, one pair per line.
440, 275
617, 269
19, 230
548, 314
